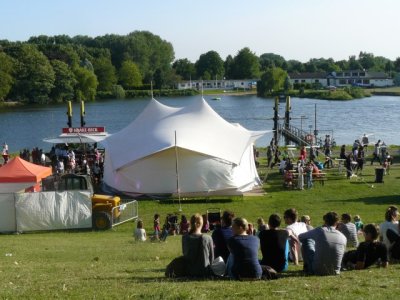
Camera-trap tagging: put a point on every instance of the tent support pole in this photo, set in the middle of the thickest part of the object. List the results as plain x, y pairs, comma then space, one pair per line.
177, 174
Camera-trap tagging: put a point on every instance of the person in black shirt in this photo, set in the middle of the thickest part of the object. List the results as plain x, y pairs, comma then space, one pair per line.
368, 253
274, 245
221, 235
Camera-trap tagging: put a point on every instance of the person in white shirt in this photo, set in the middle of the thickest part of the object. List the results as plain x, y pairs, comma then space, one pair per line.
295, 229
140, 232
391, 222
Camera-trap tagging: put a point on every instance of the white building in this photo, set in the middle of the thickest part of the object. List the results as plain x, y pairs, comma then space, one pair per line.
229, 84
310, 78
360, 78
345, 78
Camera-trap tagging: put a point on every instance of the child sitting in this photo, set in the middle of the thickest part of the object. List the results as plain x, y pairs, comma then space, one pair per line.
140, 233
184, 225
368, 253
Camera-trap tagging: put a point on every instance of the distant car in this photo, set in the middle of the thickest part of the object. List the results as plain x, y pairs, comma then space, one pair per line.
331, 88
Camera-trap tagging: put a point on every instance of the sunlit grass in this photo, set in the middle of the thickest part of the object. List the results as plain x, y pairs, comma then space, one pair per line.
110, 265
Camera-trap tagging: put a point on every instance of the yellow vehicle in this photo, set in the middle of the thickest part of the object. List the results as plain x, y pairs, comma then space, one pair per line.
102, 205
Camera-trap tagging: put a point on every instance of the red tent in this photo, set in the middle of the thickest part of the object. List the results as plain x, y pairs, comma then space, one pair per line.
18, 171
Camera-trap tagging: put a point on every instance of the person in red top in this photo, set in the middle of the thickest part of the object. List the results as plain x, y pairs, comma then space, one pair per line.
303, 154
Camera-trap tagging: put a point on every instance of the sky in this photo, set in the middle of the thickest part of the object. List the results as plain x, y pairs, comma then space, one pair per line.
293, 29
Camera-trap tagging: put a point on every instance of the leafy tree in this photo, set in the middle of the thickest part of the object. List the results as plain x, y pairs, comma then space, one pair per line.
366, 60
271, 60
295, 66
396, 79
64, 83
105, 73
310, 67
86, 84
185, 69
389, 66
34, 76
65, 53
118, 91
129, 75
228, 66
211, 63
87, 64
273, 80
6, 76
396, 64
343, 65
287, 85
354, 64
246, 65
159, 77
149, 52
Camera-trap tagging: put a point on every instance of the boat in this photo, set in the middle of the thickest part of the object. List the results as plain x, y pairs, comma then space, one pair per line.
216, 98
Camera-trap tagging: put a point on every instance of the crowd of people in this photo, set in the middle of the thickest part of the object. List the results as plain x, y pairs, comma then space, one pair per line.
321, 250
299, 171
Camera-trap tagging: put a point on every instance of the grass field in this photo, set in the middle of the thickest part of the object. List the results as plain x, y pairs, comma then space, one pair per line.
110, 265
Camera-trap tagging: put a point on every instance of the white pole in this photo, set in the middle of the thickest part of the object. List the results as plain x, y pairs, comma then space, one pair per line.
151, 84
177, 174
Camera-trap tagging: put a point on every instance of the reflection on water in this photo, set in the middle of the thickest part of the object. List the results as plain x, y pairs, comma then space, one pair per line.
348, 120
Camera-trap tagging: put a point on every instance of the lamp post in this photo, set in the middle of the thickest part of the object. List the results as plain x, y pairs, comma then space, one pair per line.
301, 122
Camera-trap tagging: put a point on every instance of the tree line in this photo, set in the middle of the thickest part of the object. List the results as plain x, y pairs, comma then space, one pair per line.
58, 68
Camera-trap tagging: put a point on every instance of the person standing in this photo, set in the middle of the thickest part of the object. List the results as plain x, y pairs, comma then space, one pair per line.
376, 154
325, 256
300, 178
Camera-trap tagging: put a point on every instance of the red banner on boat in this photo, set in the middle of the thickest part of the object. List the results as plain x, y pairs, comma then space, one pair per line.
84, 130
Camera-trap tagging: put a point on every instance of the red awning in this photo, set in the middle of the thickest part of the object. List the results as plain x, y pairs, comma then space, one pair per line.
19, 170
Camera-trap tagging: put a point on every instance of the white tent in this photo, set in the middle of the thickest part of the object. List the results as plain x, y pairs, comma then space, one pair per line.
168, 150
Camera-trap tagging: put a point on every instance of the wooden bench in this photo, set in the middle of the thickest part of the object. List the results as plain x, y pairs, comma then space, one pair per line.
320, 177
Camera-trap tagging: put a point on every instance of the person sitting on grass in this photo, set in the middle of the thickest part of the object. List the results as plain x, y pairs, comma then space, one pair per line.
391, 222
324, 257
222, 234
184, 225
140, 232
349, 230
274, 245
261, 225
295, 229
243, 261
368, 253
198, 249
307, 220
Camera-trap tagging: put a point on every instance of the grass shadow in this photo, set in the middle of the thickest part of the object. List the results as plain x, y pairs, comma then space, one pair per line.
377, 200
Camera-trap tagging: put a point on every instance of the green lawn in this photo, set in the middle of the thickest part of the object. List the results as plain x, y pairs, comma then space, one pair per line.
109, 265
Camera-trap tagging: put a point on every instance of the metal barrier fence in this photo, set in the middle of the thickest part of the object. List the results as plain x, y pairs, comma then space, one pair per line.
127, 212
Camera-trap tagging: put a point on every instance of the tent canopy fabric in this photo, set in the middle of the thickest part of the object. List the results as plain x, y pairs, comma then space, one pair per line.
185, 150
19, 170
196, 127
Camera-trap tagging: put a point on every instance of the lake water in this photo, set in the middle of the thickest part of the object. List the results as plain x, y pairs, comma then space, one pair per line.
346, 120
